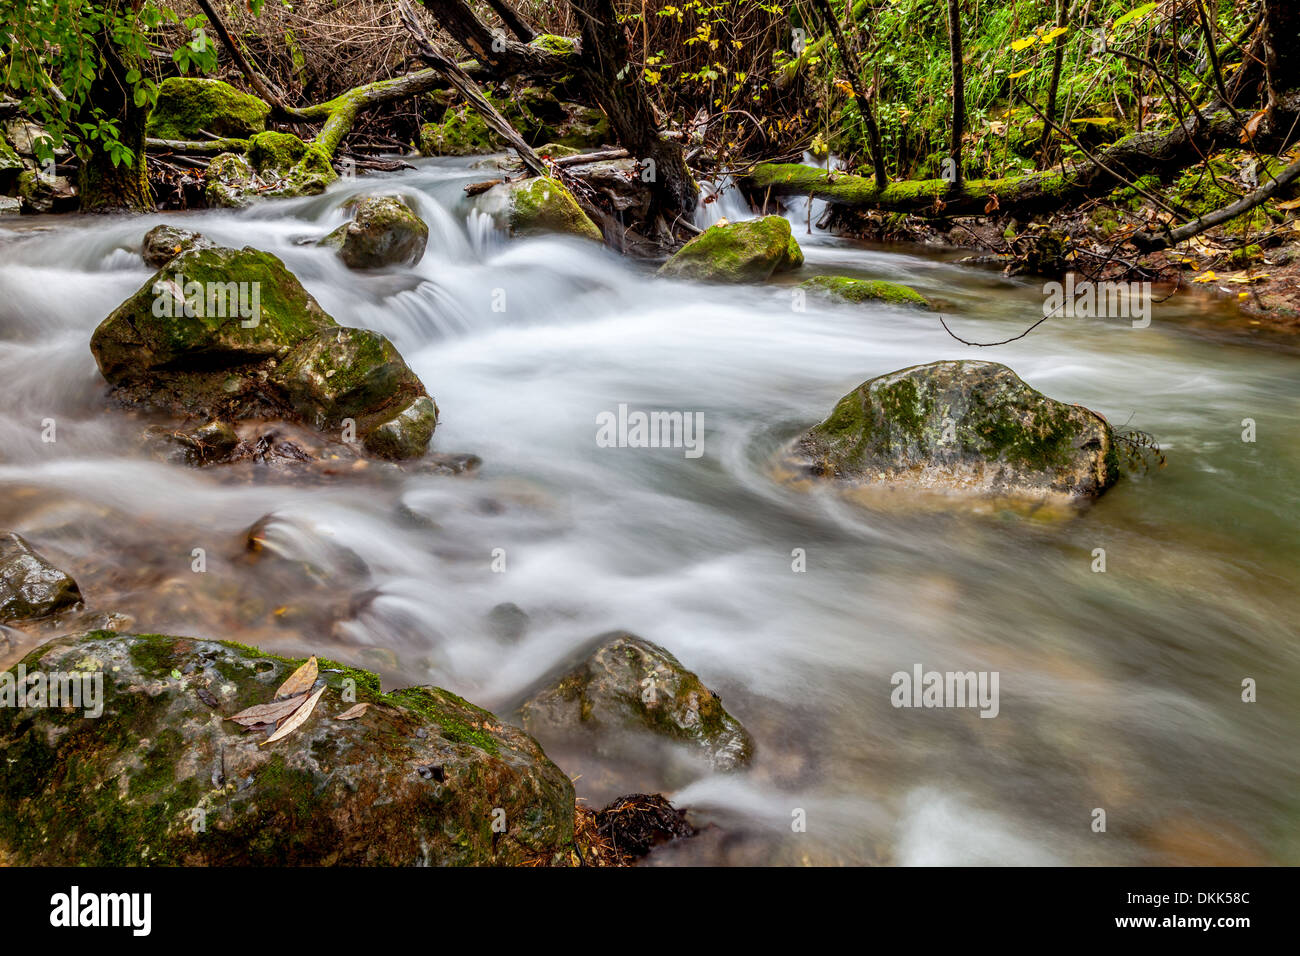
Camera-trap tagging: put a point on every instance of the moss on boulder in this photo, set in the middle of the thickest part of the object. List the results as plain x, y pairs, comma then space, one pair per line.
162, 777
629, 689
187, 107
461, 132
963, 426
384, 231
232, 334
275, 151
539, 205
406, 434
864, 290
341, 373
747, 251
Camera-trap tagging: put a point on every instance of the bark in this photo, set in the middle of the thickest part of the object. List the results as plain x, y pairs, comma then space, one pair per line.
958, 90
512, 19
1054, 84
278, 110
502, 55
101, 185
614, 82
850, 61
1282, 64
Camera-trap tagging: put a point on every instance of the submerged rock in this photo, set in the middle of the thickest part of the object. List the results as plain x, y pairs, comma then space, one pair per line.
164, 243
748, 251
539, 205
630, 686
163, 777
406, 434
384, 231
30, 586
187, 107
963, 426
864, 290
232, 334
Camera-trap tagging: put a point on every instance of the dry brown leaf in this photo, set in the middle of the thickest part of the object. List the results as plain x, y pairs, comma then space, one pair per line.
352, 713
269, 713
300, 680
296, 719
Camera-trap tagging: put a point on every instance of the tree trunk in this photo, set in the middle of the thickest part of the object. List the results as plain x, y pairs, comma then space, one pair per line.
958, 90
102, 186
615, 83
1282, 63
1054, 84
850, 61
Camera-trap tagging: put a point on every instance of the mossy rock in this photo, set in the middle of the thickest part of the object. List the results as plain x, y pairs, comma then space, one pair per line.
971, 427
189, 106
41, 193
11, 163
181, 344
275, 151
1245, 255
537, 206
191, 324
30, 586
233, 181
341, 373
864, 290
747, 251
555, 44
407, 434
162, 778
586, 128
630, 689
384, 231
461, 132
164, 243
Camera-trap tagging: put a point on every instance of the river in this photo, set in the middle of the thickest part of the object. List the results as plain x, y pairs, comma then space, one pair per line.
1119, 690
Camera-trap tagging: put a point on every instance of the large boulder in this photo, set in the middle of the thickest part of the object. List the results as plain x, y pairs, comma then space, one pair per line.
971, 427
231, 334
30, 586
188, 107
539, 205
163, 776
751, 250
857, 291
629, 690
384, 231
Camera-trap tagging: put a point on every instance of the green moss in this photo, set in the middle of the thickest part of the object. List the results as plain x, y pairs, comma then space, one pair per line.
542, 204
459, 720
865, 290
556, 45
273, 150
462, 132
1044, 439
188, 106
904, 407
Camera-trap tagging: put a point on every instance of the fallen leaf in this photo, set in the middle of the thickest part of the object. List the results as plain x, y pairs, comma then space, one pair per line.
296, 719
352, 713
992, 205
269, 713
206, 696
300, 680
1289, 204
1206, 277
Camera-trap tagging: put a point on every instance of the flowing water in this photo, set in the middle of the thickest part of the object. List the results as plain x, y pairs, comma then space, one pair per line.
1119, 690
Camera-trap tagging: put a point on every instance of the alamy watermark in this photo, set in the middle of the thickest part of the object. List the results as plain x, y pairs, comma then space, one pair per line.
175, 298
39, 690
638, 429
922, 688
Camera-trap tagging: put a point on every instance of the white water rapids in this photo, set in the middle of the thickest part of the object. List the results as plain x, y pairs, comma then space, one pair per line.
1119, 690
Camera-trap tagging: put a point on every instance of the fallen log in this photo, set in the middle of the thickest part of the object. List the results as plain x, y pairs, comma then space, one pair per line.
197, 147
